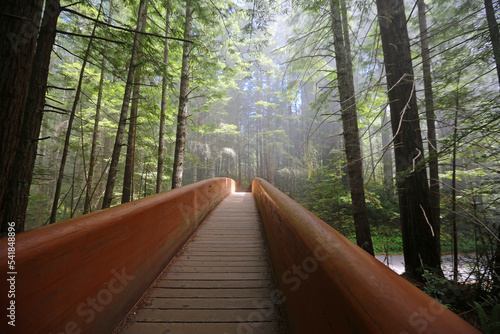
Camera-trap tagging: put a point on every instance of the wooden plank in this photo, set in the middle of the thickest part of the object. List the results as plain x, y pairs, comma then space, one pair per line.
205, 328
226, 258
219, 276
250, 263
223, 252
206, 303
212, 293
248, 283
224, 269
212, 315
225, 246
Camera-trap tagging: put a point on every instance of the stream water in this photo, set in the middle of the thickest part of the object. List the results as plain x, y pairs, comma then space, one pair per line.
396, 263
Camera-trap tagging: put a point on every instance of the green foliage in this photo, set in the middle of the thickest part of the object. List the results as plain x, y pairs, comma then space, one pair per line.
435, 286
490, 323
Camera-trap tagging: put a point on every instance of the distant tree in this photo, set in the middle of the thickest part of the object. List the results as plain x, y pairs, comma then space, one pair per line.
69, 130
97, 119
430, 115
180, 140
113, 167
161, 138
128, 175
419, 241
350, 125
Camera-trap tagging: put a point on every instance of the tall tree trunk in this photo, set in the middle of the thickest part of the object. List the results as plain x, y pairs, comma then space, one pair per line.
419, 241
350, 127
435, 193
15, 204
164, 87
128, 175
180, 140
57, 193
494, 33
115, 156
18, 36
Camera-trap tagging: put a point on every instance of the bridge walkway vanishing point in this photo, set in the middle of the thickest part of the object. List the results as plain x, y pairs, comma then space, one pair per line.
221, 282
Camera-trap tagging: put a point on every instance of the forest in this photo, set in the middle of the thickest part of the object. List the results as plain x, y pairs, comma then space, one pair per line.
380, 117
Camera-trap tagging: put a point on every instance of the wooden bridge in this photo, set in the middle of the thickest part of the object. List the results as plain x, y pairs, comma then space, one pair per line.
204, 259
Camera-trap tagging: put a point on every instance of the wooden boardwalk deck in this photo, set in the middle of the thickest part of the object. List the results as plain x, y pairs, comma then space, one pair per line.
221, 283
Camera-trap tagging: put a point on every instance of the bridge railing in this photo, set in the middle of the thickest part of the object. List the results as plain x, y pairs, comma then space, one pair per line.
327, 284
83, 275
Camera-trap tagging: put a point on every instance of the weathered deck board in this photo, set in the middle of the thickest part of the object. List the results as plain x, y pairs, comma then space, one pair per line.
221, 283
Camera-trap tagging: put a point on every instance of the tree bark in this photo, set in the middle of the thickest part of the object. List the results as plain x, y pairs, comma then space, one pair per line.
16, 202
494, 33
19, 24
128, 176
351, 132
419, 242
435, 193
180, 141
115, 156
161, 139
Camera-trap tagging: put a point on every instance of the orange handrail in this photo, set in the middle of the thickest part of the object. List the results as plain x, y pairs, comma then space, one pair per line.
83, 275
327, 284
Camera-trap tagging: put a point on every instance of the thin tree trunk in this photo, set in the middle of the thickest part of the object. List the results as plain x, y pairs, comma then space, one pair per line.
87, 207
15, 204
115, 156
387, 158
351, 132
239, 149
290, 152
90, 176
180, 141
18, 38
57, 193
494, 33
454, 198
435, 193
73, 178
196, 152
128, 175
419, 239
161, 139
